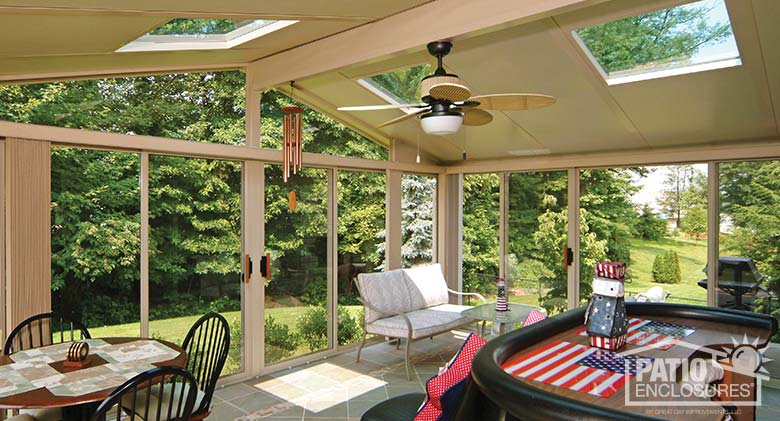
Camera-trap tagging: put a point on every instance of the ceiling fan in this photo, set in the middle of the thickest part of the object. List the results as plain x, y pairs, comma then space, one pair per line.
447, 102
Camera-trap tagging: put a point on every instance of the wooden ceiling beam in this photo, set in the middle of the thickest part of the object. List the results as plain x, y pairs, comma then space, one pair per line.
403, 32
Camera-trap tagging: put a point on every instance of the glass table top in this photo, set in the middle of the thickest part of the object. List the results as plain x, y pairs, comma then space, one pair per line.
487, 312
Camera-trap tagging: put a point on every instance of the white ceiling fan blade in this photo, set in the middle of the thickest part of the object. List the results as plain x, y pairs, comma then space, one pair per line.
402, 118
510, 102
476, 117
380, 107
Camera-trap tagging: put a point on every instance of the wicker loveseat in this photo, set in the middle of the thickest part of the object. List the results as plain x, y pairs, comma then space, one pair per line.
409, 304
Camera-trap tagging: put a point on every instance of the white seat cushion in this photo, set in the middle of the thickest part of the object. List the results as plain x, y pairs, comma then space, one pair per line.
427, 286
387, 291
140, 407
425, 322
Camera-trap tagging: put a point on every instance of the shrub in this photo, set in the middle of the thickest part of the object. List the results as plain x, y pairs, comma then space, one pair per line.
350, 328
666, 268
225, 303
316, 293
279, 341
313, 327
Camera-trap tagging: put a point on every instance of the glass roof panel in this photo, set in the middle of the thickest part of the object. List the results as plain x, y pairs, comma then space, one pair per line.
400, 86
683, 39
203, 34
199, 26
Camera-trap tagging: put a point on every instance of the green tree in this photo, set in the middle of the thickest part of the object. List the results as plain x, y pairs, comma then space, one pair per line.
480, 232
667, 35
694, 223
649, 225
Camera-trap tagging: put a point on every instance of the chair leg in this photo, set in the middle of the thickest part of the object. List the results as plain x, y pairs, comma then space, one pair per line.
406, 356
398, 344
360, 348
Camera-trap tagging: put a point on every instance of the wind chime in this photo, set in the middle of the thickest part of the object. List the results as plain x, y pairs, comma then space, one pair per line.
293, 144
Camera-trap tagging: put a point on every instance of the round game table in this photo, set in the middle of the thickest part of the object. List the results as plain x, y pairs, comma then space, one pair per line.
499, 391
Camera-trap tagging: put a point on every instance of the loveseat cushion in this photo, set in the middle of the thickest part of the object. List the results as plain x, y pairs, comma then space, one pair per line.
425, 322
427, 286
387, 291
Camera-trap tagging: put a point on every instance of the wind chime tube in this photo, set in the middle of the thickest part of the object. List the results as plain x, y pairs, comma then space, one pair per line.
299, 136
286, 149
294, 140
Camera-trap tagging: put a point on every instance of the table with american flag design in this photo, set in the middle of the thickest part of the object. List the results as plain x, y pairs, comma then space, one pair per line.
564, 364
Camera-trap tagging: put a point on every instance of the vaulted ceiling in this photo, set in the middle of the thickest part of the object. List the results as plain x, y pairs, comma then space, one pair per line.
501, 47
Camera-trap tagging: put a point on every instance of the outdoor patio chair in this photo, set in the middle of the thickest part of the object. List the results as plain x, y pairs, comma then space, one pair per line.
44, 329
159, 394
207, 344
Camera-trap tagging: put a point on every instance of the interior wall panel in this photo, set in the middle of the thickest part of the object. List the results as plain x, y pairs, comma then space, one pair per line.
28, 237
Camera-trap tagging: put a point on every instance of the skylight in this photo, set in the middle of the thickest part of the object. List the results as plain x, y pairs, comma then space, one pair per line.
204, 34
684, 39
399, 86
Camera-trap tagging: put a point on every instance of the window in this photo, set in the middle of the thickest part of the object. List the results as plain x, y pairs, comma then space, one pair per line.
418, 207
652, 218
683, 39
480, 232
297, 317
749, 236
399, 86
321, 134
361, 220
203, 34
202, 107
537, 229
95, 239
195, 247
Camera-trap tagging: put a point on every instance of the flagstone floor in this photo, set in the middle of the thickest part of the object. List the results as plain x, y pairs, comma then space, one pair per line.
337, 388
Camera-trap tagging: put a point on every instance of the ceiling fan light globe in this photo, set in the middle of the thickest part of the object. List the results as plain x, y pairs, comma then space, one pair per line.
441, 125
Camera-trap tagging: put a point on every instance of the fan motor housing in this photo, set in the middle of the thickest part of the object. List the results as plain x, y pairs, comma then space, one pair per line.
448, 87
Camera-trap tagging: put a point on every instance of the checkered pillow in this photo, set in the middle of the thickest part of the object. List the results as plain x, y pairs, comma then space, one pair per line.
457, 371
534, 317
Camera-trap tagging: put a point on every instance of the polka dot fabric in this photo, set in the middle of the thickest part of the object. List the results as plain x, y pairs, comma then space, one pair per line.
456, 371
534, 317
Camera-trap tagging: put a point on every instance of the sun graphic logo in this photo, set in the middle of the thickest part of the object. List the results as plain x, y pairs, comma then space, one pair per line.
746, 358
729, 377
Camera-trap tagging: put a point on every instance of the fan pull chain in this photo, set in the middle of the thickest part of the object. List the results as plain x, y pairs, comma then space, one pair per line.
418, 145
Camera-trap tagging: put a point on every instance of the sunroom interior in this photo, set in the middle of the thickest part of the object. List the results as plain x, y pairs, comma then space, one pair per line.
143, 172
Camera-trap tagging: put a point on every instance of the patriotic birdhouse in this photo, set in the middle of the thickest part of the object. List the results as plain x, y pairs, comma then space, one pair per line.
605, 318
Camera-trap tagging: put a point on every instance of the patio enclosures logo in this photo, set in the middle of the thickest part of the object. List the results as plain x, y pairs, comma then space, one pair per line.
709, 380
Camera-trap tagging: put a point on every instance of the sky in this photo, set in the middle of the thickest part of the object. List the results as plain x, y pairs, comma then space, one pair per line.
653, 185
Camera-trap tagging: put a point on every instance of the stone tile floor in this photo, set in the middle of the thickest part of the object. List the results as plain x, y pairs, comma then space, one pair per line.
337, 388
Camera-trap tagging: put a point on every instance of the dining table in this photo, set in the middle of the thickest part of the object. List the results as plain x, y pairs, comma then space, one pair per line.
39, 377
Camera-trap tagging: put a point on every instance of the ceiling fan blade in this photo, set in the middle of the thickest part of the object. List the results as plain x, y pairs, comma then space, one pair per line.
511, 102
402, 118
380, 107
476, 117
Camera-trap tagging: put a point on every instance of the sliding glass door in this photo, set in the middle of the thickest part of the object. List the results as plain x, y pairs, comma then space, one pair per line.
297, 318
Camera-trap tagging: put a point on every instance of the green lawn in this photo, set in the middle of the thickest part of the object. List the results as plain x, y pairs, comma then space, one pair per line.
175, 329
693, 257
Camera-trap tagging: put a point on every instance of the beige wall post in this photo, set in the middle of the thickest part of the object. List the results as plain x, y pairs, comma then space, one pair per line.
713, 232
574, 238
450, 229
393, 237
28, 233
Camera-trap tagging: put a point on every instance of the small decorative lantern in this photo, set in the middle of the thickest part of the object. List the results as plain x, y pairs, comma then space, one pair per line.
78, 355
501, 304
605, 318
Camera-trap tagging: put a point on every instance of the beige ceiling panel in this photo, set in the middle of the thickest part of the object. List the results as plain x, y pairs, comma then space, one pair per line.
312, 8
38, 35
717, 105
293, 35
767, 16
528, 59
